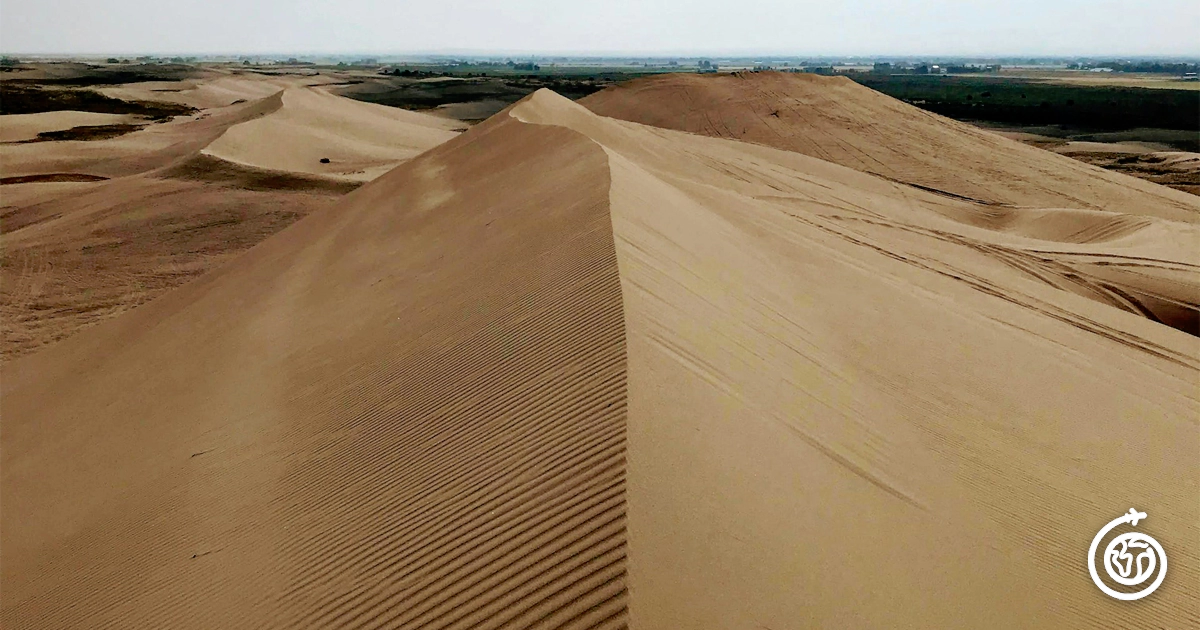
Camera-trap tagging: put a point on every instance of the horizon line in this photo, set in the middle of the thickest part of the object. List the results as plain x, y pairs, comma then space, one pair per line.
733, 53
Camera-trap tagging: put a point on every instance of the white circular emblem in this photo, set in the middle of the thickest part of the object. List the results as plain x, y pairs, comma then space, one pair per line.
1130, 559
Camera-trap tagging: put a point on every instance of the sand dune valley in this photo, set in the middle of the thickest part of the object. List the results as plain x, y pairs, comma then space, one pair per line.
745, 350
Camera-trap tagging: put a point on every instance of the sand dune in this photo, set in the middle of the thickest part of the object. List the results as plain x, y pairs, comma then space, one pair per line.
570, 371
19, 127
290, 129
491, 492
207, 93
78, 254
1011, 188
359, 140
101, 226
836, 119
153, 147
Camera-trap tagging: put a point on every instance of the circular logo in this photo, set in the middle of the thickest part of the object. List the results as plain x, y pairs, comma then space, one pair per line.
1129, 559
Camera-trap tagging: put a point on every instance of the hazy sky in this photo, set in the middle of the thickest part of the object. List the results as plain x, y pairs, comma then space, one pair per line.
990, 27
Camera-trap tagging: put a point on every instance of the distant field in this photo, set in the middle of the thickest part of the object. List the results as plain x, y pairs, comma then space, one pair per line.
1028, 102
1125, 79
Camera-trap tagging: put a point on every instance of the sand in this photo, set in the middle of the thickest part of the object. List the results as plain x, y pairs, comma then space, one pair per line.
296, 122
210, 92
838, 120
1152, 161
20, 127
107, 225
683, 382
515, 476
152, 147
76, 254
1014, 190
360, 140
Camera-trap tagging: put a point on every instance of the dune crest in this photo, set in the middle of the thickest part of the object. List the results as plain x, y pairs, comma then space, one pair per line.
570, 371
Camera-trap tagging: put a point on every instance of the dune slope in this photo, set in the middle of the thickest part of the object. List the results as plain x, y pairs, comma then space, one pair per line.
836, 119
359, 140
211, 90
76, 254
570, 371
1084, 220
24, 127
289, 129
399, 430
102, 226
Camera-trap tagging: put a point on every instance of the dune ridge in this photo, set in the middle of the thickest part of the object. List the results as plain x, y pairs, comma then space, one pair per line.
571, 371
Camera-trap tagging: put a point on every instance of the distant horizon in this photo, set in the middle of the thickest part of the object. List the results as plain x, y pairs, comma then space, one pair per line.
664, 55
618, 28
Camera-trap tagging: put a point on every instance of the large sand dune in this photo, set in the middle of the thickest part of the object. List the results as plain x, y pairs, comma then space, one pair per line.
289, 128
1115, 238
570, 371
491, 490
836, 119
149, 148
24, 127
208, 92
359, 141
100, 226
76, 253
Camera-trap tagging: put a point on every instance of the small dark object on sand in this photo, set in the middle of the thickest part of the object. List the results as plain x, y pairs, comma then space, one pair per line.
324, 160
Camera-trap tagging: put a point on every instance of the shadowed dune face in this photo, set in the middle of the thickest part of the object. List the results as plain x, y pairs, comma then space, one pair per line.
571, 371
